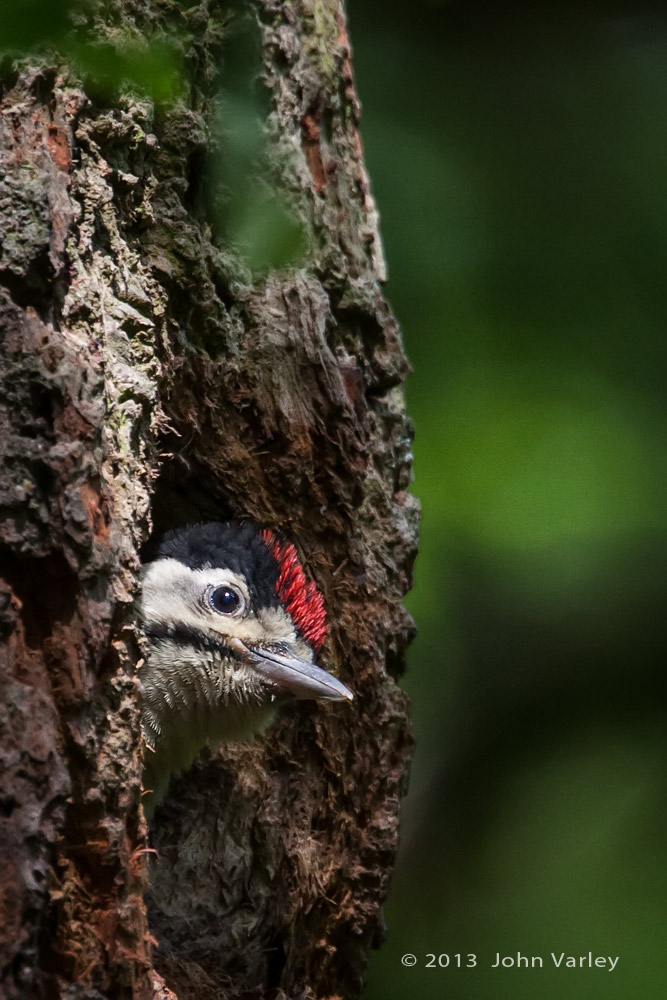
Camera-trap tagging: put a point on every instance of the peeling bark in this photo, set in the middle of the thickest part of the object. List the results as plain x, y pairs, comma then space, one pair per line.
147, 381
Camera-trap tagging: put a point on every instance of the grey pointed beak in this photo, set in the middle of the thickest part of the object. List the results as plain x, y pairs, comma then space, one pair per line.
295, 676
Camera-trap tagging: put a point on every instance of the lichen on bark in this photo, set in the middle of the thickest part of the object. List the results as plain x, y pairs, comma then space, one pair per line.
148, 380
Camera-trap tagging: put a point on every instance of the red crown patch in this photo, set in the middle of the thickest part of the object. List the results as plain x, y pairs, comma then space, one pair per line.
301, 598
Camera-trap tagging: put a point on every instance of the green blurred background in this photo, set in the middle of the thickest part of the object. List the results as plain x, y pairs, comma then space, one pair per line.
519, 159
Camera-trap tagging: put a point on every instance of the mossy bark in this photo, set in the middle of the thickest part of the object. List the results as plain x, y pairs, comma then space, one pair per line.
148, 380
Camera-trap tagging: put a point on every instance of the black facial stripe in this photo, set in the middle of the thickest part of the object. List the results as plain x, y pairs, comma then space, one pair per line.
282, 648
187, 635
237, 547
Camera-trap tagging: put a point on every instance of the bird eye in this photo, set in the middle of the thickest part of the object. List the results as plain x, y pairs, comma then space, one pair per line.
226, 601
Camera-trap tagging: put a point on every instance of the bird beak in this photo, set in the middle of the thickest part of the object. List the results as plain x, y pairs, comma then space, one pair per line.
293, 675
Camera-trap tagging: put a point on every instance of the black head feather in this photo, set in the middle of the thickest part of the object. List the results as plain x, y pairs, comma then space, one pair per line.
237, 547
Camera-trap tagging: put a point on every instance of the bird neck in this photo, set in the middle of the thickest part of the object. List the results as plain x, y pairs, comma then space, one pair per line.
192, 698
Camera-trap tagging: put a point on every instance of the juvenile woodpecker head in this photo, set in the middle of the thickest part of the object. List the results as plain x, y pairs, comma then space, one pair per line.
233, 625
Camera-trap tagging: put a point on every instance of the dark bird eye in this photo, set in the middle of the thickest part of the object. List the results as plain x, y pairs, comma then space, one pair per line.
225, 600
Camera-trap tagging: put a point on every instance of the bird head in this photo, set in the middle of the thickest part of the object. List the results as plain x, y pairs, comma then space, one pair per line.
233, 626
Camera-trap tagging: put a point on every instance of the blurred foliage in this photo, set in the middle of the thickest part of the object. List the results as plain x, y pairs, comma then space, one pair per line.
26, 24
518, 158
250, 216
151, 66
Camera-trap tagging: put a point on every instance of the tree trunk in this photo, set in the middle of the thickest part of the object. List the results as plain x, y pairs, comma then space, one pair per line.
149, 380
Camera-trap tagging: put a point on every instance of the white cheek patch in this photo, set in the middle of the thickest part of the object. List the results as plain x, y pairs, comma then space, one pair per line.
172, 592
175, 594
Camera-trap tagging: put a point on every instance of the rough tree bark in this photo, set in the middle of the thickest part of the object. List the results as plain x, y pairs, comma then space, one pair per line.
147, 383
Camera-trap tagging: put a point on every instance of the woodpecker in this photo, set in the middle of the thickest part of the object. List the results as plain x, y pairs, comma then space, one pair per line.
233, 627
